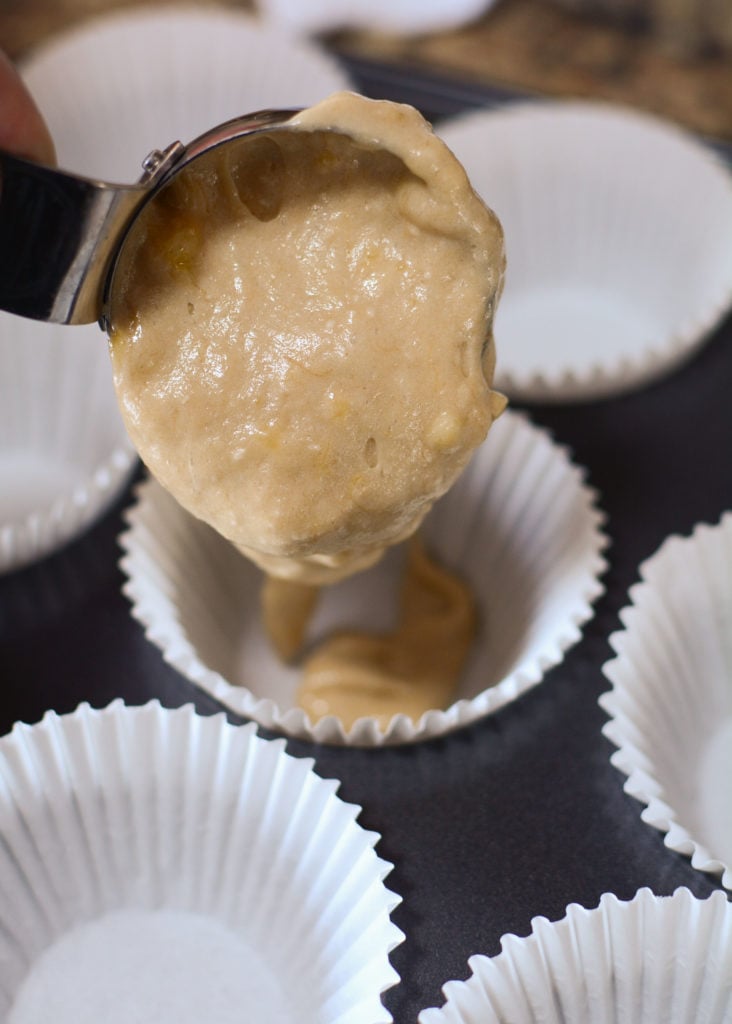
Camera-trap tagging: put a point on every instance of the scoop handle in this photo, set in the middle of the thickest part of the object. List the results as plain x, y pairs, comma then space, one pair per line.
58, 235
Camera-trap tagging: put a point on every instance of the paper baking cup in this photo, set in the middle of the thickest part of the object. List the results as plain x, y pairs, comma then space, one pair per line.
403, 17
126, 83
520, 526
64, 452
653, 959
617, 238
671, 703
157, 865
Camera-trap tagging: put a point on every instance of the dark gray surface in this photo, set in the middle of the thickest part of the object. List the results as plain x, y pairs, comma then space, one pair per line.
514, 817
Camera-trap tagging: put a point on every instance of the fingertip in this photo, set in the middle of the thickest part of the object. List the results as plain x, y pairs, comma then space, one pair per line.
23, 130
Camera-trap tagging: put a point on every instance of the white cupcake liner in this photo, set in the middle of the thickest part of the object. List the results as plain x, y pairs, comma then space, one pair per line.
123, 84
603, 208
519, 525
392, 16
64, 452
671, 703
159, 859
651, 959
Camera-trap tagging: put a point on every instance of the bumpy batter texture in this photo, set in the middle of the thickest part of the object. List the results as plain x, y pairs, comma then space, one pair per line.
302, 335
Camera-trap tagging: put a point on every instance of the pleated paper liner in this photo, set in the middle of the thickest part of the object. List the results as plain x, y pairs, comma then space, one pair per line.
403, 17
617, 238
119, 85
652, 959
64, 452
670, 705
158, 865
520, 526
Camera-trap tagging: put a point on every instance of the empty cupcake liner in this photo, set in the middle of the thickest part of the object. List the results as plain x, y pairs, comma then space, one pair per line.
670, 706
160, 865
654, 958
122, 84
393, 16
64, 452
602, 207
520, 526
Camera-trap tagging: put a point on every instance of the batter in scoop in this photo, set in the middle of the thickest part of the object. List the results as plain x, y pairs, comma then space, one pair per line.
301, 335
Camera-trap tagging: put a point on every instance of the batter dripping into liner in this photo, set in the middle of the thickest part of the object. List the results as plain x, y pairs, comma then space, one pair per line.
301, 335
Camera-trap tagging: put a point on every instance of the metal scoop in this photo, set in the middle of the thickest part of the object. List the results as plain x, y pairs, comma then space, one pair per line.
60, 234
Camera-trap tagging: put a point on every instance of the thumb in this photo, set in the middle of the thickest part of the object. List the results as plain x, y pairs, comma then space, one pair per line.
22, 128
